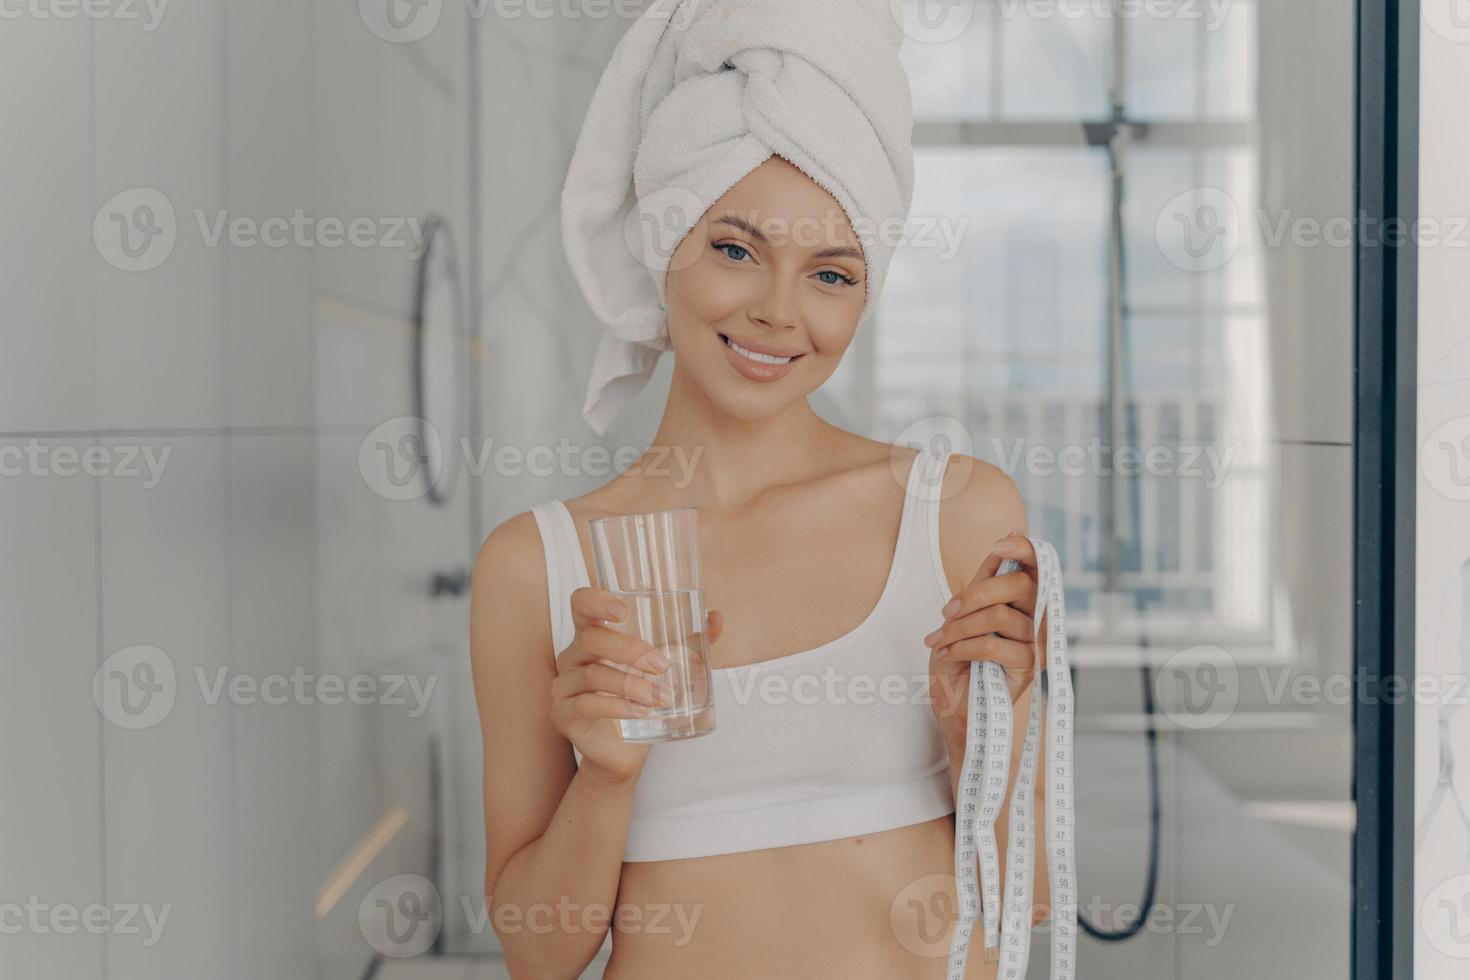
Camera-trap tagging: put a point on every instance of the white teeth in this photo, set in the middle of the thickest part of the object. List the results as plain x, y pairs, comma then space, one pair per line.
760, 358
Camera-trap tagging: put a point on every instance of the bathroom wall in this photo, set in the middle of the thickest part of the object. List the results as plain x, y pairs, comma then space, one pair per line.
257, 548
1442, 499
536, 77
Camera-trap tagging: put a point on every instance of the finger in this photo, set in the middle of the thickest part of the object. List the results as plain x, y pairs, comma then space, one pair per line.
1014, 656
591, 605
616, 681
996, 618
987, 569
596, 705
716, 625
605, 643
1013, 588
1016, 545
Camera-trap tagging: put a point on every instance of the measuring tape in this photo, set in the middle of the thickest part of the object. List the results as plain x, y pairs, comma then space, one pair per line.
982, 789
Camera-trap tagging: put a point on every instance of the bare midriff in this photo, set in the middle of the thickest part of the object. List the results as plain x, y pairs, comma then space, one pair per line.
879, 905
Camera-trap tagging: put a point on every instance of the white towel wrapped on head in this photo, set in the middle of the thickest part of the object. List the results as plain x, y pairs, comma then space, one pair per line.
698, 94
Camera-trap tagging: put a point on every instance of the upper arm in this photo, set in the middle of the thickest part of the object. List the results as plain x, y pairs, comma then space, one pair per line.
979, 505
527, 763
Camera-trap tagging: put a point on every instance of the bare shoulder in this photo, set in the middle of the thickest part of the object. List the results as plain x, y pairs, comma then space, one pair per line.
509, 579
979, 504
511, 556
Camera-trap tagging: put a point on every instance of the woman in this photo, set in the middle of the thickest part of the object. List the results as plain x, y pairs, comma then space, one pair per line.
800, 838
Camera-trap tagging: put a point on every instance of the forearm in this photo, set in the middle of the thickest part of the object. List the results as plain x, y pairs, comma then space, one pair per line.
553, 901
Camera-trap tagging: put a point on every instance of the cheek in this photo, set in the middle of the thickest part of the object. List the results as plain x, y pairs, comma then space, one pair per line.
700, 293
832, 330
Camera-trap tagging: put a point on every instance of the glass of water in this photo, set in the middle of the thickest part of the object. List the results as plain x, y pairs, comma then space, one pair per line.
651, 562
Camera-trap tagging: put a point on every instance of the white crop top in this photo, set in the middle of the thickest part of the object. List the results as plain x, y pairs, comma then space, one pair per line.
835, 741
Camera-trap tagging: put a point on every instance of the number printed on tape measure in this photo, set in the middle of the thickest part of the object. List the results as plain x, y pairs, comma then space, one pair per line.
983, 775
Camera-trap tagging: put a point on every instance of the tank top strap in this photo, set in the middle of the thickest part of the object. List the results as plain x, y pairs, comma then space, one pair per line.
564, 567
921, 516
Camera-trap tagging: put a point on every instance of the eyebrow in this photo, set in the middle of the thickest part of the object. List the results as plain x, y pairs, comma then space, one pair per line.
838, 251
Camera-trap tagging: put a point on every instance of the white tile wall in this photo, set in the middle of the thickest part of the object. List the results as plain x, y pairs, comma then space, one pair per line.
537, 75
1442, 614
277, 768
263, 549
270, 174
159, 123
390, 140
169, 810
48, 373
52, 772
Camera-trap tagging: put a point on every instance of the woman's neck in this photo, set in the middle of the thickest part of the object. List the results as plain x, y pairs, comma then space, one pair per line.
725, 462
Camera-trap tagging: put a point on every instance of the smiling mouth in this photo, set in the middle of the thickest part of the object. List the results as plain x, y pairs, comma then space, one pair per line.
757, 356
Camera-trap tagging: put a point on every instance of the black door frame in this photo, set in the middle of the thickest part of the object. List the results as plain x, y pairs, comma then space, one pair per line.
1385, 467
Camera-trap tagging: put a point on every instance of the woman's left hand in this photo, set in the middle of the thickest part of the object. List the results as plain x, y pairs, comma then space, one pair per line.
990, 619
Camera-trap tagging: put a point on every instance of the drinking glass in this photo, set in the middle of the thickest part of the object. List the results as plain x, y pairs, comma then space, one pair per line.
651, 562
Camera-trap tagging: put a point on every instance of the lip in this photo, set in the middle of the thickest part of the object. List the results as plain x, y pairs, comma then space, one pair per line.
754, 370
761, 347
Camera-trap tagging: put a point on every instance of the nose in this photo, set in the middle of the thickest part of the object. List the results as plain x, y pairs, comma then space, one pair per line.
775, 306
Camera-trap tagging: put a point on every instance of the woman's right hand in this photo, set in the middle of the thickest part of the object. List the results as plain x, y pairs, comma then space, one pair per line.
589, 695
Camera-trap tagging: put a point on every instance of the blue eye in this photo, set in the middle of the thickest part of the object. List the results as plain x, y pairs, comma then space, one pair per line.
721, 246
840, 277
